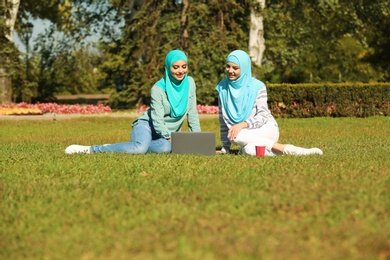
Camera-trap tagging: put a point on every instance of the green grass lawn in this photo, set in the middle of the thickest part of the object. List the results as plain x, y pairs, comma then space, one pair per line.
118, 206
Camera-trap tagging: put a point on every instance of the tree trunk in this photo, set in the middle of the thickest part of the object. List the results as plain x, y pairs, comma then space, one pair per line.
256, 36
183, 25
10, 21
5, 79
5, 87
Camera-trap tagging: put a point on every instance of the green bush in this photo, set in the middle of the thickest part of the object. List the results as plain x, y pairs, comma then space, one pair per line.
334, 100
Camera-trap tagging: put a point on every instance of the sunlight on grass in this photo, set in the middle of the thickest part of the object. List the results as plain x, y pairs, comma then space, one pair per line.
118, 206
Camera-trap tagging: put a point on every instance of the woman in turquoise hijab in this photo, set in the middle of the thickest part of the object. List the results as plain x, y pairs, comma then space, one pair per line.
173, 99
243, 112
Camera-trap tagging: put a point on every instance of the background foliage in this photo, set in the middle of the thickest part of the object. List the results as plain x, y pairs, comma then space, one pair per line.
306, 41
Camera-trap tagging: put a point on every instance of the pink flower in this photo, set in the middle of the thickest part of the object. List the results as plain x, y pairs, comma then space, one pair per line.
62, 109
205, 109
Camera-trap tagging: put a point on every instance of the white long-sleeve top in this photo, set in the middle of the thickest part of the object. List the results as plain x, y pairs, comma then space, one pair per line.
259, 116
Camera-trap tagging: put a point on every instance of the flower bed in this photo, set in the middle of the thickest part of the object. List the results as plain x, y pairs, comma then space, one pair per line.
20, 111
204, 109
42, 108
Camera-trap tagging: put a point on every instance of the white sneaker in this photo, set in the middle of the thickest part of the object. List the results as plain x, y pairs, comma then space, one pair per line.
314, 150
295, 150
74, 148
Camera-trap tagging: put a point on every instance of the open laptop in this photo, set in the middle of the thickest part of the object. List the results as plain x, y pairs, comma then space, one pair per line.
193, 143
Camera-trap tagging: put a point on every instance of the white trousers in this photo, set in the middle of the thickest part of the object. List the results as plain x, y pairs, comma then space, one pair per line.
266, 135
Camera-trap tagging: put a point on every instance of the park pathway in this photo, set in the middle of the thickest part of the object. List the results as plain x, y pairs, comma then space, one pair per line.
54, 117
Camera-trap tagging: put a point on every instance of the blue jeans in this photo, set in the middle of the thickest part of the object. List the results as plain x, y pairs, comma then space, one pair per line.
143, 139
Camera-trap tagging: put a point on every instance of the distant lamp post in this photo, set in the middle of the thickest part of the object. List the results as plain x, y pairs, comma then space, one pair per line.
27, 30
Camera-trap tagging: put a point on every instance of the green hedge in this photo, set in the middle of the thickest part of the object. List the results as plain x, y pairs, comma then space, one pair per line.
335, 100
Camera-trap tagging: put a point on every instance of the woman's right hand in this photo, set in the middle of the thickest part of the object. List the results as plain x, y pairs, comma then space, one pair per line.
234, 130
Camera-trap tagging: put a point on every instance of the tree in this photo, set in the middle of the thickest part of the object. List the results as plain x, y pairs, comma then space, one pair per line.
63, 69
75, 19
306, 40
214, 28
8, 12
375, 33
11, 11
183, 25
256, 34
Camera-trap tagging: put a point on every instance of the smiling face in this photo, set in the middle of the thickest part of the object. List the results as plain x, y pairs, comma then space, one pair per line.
179, 69
233, 71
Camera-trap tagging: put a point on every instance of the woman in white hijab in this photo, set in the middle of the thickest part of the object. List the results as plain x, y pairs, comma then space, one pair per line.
243, 112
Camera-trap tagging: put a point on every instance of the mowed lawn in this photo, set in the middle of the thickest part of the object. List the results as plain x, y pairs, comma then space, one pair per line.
119, 206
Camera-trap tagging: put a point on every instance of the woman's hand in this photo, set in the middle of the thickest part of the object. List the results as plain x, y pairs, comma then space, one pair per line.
234, 130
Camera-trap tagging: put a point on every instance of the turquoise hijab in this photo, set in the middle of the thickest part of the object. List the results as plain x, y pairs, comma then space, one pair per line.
177, 90
238, 96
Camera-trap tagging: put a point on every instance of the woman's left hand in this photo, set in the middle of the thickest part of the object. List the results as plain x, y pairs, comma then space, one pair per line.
234, 130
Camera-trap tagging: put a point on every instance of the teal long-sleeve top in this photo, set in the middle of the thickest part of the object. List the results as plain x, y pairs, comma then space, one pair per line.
159, 112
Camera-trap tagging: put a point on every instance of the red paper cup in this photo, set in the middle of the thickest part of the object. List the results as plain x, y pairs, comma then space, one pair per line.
260, 151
